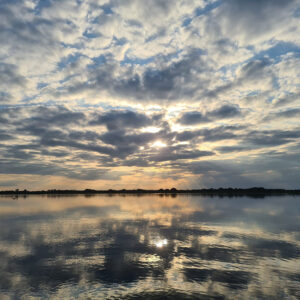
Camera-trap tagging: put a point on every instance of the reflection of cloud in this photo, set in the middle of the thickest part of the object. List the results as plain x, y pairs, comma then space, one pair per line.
195, 244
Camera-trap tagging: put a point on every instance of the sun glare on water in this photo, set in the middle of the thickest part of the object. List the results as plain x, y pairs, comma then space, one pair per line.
161, 243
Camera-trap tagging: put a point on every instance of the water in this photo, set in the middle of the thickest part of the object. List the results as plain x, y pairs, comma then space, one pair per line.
149, 247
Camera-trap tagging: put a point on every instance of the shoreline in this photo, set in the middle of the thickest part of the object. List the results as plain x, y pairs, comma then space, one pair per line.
206, 192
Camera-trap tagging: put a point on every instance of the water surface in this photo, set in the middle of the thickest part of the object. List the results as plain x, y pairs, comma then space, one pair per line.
149, 247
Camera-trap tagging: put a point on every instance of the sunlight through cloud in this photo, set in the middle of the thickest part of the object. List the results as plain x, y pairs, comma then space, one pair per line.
151, 129
159, 144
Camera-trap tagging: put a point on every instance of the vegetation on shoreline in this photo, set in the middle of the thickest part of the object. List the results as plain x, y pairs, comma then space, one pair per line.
254, 192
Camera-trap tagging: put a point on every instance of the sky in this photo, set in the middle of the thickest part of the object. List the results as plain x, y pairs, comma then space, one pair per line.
149, 94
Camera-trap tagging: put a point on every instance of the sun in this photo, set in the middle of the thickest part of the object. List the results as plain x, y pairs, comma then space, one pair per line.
159, 144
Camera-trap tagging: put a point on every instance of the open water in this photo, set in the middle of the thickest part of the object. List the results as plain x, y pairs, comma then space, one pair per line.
149, 247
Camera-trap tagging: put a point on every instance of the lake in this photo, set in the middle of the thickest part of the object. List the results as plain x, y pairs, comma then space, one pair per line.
149, 247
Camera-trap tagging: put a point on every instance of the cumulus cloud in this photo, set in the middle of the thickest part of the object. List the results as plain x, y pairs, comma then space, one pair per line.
193, 117
250, 20
122, 119
224, 112
164, 80
285, 114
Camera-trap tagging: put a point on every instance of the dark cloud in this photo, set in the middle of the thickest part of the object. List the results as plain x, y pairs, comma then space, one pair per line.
266, 170
212, 134
136, 162
4, 136
254, 68
54, 116
192, 118
217, 134
9, 76
196, 117
173, 80
271, 138
52, 127
119, 137
228, 149
225, 111
169, 80
170, 154
121, 119
255, 17
289, 113
38, 33
56, 169
77, 145
13, 167
289, 98
255, 72
252, 140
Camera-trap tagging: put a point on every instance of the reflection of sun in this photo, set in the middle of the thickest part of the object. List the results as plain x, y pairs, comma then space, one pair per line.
158, 144
161, 243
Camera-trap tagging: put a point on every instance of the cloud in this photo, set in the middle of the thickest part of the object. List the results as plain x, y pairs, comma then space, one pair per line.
267, 171
254, 76
91, 85
167, 80
228, 149
251, 20
11, 83
122, 119
9, 76
272, 137
195, 117
289, 113
225, 111
287, 99
208, 134
192, 118
253, 69
174, 154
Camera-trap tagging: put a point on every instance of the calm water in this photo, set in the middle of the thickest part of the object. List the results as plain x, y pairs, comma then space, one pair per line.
149, 247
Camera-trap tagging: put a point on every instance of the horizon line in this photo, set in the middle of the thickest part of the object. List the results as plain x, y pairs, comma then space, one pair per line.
220, 190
